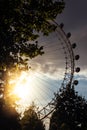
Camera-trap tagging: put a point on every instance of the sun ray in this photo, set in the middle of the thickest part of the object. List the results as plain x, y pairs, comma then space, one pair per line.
21, 90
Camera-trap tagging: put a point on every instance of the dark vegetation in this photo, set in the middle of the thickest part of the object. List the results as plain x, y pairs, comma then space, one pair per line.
20, 23
70, 111
31, 121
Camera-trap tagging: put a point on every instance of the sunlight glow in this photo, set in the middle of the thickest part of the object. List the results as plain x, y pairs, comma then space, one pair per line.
30, 86
21, 88
23, 85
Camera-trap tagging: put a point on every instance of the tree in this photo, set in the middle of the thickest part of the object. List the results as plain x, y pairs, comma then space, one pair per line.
31, 121
9, 118
20, 22
70, 111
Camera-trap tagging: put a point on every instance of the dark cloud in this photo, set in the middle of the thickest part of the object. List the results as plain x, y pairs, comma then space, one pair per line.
75, 19
74, 14
52, 62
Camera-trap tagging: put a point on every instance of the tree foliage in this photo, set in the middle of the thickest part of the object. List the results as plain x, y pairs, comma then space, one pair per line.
70, 111
31, 121
20, 22
9, 118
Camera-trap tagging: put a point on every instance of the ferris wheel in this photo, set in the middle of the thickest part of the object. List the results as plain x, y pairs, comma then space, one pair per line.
54, 69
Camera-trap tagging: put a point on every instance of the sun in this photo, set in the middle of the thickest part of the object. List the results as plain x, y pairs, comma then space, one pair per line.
23, 85
21, 89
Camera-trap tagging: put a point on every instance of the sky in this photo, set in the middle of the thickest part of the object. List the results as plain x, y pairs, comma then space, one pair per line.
49, 69
51, 66
74, 18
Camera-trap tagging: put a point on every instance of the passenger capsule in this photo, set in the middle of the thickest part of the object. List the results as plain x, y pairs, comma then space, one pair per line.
75, 82
68, 35
74, 45
77, 69
77, 57
61, 25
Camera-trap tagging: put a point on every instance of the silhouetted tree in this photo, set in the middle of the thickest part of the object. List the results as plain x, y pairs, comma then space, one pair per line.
9, 118
70, 111
31, 121
20, 22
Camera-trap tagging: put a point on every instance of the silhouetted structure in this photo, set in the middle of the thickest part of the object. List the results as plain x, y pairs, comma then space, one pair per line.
70, 111
9, 118
31, 121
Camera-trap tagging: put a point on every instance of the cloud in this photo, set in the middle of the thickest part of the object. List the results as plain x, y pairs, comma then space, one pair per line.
48, 69
74, 14
80, 37
52, 63
82, 75
75, 19
82, 88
